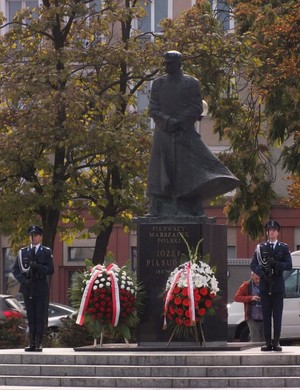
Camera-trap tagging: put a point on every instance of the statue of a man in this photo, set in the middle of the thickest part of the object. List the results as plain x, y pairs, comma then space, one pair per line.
182, 170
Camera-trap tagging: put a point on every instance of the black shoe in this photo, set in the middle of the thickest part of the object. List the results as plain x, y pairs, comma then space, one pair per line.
39, 348
30, 348
267, 347
277, 347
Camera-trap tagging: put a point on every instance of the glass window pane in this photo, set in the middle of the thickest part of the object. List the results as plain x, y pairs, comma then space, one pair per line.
13, 7
96, 4
145, 23
161, 12
80, 253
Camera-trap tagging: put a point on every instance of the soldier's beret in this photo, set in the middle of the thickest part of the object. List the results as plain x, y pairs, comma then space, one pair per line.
272, 225
35, 229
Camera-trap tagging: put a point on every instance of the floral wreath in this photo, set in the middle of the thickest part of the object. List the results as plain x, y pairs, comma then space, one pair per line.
106, 297
189, 294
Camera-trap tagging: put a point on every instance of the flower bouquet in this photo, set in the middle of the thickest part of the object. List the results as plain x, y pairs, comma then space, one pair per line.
189, 294
107, 300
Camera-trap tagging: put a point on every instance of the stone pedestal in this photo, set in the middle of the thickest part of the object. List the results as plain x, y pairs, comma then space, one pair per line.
160, 250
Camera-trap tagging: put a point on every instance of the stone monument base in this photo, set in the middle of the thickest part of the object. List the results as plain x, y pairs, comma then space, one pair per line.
160, 251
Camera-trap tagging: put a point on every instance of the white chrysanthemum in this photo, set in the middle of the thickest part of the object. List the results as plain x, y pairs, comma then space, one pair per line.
97, 281
202, 276
107, 284
101, 285
102, 279
122, 286
214, 285
95, 287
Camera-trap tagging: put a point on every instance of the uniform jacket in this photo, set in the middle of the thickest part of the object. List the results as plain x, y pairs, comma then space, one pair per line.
180, 163
22, 270
271, 278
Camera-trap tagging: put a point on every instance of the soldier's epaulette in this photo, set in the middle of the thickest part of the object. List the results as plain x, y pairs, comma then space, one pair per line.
279, 243
45, 247
24, 248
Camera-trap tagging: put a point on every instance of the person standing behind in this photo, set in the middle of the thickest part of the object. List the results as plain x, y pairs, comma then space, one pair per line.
269, 261
248, 294
31, 268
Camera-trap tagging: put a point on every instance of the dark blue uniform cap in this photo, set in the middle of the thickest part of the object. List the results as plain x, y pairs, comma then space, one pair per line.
272, 225
35, 229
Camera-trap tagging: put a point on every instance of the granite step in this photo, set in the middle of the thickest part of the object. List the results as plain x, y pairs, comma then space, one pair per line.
157, 369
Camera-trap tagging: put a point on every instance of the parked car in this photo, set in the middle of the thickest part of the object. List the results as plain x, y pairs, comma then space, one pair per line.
10, 307
237, 327
56, 312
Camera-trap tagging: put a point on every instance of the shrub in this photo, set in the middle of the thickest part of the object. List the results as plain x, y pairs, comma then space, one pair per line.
12, 333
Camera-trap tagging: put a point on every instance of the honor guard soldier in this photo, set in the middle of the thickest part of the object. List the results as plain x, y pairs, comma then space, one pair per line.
269, 261
31, 268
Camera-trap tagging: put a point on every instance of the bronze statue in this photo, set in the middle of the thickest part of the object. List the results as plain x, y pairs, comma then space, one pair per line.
182, 170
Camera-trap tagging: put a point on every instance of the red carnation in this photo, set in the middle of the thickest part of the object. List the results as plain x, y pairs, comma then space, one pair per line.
187, 322
176, 290
179, 311
187, 313
185, 292
201, 312
179, 321
186, 302
197, 297
203, 291
177, 301
172, 309
207, 303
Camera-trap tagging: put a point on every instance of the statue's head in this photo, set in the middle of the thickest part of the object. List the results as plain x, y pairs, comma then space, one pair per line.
172, 61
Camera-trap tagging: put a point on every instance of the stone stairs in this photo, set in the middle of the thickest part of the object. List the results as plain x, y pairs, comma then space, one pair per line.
239, 368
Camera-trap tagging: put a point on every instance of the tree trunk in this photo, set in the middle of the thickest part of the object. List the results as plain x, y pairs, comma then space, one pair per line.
101, 245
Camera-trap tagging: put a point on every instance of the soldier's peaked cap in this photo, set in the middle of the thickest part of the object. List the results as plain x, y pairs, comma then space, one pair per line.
272, 225
35, 229
172, 55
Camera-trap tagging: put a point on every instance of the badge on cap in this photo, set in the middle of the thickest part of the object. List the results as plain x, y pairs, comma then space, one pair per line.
35, 229
272, 225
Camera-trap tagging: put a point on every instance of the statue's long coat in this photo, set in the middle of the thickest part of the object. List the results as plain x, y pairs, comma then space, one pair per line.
180, 163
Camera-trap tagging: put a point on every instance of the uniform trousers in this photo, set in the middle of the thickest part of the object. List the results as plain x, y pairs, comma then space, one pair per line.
272, 306
36, 307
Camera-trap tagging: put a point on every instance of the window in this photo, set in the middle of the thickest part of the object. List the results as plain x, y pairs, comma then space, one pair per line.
79, 254
14, 6
231, 252
156, 11
222, 13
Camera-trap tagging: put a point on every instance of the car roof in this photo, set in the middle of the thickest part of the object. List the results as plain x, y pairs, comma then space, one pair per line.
296, 259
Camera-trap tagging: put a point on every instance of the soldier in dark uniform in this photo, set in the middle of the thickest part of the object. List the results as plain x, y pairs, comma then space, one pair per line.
182, 170
270, 259
31, 268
